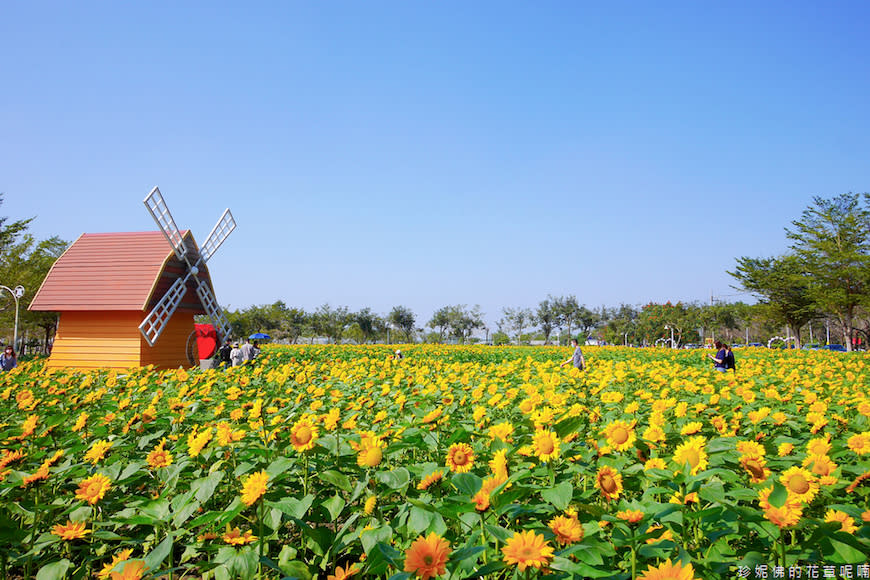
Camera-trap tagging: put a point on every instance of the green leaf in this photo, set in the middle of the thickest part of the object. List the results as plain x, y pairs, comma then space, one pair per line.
296, 569
293, 507
390, 554
467, 483
560, 496
204, 487
335, 478
466, 553
570, 425
779, 495
184, 514
334, 505
395, 479
278, 467
419, 520
485, 571
54, 571
159, 553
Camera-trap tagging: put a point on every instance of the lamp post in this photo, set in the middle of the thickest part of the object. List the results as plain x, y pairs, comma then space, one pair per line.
17, 293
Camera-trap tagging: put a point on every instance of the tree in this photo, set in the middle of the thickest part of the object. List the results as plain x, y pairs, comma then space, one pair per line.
832, 240
568, 311
369, 323
404, 319
331, 322
781, 286
463, 321
547, 317
517, 319
440, 321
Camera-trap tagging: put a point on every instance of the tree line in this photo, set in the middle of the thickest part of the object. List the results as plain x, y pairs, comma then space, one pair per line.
819, 286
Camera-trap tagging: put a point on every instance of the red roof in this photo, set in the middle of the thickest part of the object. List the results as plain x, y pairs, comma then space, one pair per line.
117, 271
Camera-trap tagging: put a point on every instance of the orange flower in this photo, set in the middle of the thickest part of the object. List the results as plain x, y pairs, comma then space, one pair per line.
254, 487
668, 571
343, 573
132, 570
97, 451
235, 537
609, 482
159, 457
430, 479
847, 523
567, 529
116, 559
630, 516
427, 557
527, 549
370, 456
93, 488
460, 457
70, 530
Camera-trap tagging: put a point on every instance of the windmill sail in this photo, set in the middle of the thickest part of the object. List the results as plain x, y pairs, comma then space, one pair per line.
159, 316
219, 233
155, 204
209, 302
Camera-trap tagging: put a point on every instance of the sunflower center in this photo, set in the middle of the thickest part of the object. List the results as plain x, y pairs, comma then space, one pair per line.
459, 458
619, 435
428, 559
798, 483
693, 457
303, 434
545, 446
607, 483
755, 469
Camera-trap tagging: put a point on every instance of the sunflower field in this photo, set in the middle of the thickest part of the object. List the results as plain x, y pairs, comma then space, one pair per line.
336, 462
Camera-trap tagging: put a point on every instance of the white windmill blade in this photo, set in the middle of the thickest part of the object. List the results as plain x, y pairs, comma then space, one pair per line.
209, 302
156, 321
219, 233
157, 207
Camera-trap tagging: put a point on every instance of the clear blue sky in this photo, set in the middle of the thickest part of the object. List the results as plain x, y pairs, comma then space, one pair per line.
434, 153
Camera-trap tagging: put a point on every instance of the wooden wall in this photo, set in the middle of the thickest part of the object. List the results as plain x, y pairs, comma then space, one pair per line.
170, 350
111, 339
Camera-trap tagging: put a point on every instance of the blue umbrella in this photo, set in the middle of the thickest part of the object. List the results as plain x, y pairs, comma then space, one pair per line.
259, 336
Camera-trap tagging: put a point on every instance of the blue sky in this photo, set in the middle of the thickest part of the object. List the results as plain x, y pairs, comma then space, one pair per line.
433, 153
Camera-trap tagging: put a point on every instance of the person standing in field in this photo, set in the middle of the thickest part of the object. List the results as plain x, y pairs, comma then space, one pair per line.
8, 360
236, 356
720, 357
247, 350
577, 357
224, 353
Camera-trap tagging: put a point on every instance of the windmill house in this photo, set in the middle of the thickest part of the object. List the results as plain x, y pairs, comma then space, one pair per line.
128, 299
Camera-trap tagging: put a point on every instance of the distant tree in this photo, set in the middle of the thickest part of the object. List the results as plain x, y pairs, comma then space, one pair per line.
369, 323
403, 318
440, 321
517, 319
547, 317
832, 241
331, 322
464, 321
782, 288
620, 325
586, 321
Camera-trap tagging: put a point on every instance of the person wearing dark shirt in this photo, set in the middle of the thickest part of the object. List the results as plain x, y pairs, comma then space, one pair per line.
577, 357
225, 351
720, 357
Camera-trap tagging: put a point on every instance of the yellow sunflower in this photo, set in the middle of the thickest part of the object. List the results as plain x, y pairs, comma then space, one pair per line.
567, 528
609, 482
527, 549
787, 515
693, 453
859, 443
668, 571
847, 523
254, 487
460, 457
303, 435
546, 445
800, 483
620, 435
70, 530
93, 488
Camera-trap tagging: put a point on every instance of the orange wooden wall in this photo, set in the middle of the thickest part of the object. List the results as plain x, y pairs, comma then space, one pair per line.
111, 339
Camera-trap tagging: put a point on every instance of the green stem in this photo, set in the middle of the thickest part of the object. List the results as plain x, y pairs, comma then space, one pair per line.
633, 563
262, 539
483, 536
305, 481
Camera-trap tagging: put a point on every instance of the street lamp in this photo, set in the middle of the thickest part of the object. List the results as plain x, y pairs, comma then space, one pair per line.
17, 293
